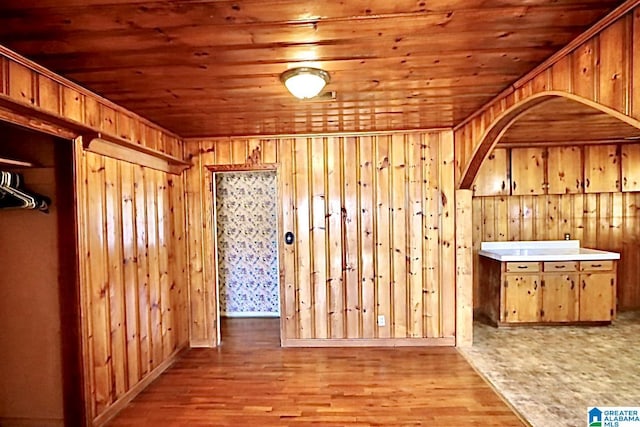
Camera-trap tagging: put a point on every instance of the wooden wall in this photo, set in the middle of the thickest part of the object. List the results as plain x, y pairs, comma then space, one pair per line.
133, 275
602, 68
373, 217
608, 221
35, 97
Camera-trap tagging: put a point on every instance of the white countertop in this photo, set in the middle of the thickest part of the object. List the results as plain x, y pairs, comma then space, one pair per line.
545, 250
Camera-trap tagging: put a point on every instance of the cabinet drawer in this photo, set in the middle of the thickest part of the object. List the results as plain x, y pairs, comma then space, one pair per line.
596, 265
552, 266
522, 267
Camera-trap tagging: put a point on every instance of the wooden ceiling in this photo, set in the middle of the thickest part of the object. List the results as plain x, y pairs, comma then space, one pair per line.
563, 121
211, 67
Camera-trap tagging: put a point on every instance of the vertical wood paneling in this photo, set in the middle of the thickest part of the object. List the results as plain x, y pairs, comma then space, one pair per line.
613, 78
334, 198
352, 232
130, 319
415, 214
99, 331
367, 249
431, 242
288, 275
113, 222
373, 217
130, 276
317, 161
383, 230
399, 236
303, 244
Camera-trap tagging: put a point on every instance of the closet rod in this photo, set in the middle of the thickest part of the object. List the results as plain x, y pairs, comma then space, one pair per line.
11, 162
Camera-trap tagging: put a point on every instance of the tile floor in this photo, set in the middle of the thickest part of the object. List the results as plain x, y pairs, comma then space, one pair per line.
552, 374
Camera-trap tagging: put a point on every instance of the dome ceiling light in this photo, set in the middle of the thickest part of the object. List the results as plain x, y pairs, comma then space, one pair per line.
305, 82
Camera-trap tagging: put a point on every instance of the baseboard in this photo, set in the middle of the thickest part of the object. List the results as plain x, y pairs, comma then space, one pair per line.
126, 398
31, 422
248, 314
371, 342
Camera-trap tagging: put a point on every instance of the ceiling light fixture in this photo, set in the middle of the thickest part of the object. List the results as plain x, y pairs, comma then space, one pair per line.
305, 82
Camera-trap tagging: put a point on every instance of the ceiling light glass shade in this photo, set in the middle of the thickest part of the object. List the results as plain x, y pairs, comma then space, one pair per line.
305, 82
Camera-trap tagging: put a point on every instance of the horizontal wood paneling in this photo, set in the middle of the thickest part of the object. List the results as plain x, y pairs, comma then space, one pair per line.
54, 98
132, 273
197, 68
373, 218
603, 71
608, 221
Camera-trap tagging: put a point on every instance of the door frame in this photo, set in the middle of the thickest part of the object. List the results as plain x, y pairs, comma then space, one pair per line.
210, 183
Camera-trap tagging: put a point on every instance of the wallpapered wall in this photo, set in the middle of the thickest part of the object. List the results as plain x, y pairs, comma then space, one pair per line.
247, 245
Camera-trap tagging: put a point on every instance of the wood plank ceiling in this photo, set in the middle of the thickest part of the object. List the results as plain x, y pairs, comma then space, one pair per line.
211, 67
564, 121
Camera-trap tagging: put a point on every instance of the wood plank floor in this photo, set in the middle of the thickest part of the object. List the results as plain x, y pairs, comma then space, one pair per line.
251, 381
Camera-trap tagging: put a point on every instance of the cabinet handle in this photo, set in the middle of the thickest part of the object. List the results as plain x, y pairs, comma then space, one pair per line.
514, 185
588, 182
522, 267
584, 284
561, 266
596, 265
573, 285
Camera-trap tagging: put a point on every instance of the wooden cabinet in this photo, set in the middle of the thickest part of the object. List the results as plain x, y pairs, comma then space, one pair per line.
601, 168
552, 170
527, 171
547, 292
493, 176
521, 298
564, 170
630, 158
597, 290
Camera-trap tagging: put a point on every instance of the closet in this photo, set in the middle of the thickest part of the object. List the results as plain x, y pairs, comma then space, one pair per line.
40, 381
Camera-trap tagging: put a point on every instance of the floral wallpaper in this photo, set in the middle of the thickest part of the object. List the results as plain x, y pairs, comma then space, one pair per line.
247, 243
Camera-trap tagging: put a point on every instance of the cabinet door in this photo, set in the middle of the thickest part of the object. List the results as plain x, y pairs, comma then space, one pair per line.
522, 298
564, 170
630, 169
527, 171
493, 179
597, 296
560, 298
601, 169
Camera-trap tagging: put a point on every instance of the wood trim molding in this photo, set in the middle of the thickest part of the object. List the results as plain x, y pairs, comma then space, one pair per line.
193, 139
612, 17
121, 403
371, 342
247, 167
19, 59
121, 149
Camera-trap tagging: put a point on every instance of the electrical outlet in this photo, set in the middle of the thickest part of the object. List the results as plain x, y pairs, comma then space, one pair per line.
381, 321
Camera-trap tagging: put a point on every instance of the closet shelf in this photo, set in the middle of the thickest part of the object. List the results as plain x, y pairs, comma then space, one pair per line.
15, 163
119, 148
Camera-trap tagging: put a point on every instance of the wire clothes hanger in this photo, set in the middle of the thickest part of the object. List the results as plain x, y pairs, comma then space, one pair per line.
13, 195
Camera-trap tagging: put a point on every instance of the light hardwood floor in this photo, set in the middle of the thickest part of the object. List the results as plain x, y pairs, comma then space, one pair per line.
251, 381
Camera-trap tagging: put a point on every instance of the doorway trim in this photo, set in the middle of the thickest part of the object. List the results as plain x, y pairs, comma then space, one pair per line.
210, 183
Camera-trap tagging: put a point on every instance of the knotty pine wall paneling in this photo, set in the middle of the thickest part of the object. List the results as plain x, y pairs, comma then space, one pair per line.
607, 221
601, 69
373, 217
39, 99
133, 277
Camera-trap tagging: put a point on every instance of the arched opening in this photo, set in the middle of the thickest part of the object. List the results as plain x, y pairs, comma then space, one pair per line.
495, 131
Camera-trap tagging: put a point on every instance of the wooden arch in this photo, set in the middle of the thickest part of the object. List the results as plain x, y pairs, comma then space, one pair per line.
506, 119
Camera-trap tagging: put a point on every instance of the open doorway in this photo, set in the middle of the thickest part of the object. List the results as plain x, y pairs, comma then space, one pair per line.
246, 234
